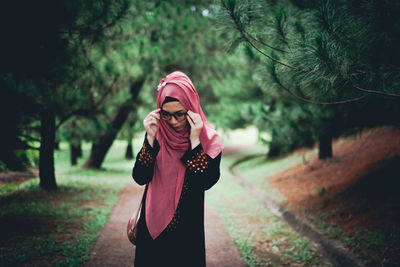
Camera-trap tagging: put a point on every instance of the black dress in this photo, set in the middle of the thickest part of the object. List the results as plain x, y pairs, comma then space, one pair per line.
182, 241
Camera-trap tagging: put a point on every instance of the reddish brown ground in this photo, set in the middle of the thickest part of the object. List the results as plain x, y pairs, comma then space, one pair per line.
8, 177
357, 190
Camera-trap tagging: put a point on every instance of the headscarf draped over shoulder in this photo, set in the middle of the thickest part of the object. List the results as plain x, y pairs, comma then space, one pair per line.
169, 172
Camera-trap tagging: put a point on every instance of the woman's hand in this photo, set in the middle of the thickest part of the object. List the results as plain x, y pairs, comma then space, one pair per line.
151, 123
196, 125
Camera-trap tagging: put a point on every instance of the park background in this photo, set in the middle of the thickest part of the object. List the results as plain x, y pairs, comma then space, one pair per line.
305, 95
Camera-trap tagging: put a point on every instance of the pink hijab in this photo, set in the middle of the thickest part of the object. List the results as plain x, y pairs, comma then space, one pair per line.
166, 186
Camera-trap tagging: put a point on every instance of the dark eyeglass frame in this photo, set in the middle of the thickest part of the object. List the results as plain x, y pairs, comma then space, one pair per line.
165, 115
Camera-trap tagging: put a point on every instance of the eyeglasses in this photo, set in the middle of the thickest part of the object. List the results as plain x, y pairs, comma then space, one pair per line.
179, 116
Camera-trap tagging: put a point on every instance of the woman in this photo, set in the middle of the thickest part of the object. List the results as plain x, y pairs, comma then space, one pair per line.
179, 160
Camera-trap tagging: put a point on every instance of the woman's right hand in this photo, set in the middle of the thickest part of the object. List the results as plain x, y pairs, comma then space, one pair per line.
151, 124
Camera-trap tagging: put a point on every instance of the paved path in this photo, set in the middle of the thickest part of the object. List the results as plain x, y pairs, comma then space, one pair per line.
114, 249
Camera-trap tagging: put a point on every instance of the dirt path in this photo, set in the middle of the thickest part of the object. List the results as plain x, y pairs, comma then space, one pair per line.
113, 248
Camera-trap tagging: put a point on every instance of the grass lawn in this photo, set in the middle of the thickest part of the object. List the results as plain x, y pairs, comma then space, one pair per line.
261, 237
41, 228
58, 228
351, 198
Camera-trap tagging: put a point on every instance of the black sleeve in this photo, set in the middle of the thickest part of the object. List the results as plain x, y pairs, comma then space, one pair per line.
143, 170
202, 169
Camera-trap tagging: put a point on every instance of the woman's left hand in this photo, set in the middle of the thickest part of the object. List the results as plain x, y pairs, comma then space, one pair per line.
196, 124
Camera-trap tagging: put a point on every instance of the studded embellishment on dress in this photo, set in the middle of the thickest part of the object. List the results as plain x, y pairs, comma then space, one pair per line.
145, 158
177, 216
198, 163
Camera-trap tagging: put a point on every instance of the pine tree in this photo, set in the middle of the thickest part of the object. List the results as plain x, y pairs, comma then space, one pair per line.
339, 55
176, 37
43, 53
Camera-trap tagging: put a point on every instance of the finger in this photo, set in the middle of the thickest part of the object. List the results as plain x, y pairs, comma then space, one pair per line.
189, 118
194, 115
195, 124
191, 115
156, 111
155, 115
195, 119
153, 124
148, 119
156, 120
153, 121
190, 122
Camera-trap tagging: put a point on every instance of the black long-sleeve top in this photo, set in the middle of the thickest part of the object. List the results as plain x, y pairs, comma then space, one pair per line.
182, 241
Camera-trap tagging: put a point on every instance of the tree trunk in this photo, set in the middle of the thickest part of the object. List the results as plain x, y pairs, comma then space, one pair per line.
75, 145
273, 152
46, 156
325, 145
11, 161
79, 149
129, 150
101, 147
57, 145
74, 153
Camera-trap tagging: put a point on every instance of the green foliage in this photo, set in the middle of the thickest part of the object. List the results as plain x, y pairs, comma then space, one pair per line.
244, 218
29, 158
3, 166
334, 52
19, 159
59, 228
154, 39
234, 93
301, 252
376, 246
44, 53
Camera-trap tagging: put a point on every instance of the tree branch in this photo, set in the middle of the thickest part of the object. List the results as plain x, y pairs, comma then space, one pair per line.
83, 30
312, 101
31, 147
30, 138
90, 110
374, 92
246, 38
243, 34
267, 45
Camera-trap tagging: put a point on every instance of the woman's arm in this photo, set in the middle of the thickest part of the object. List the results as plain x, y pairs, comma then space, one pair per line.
143, 170
203, 169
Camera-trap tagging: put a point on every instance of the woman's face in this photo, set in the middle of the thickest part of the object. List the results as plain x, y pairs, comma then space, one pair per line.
177, 122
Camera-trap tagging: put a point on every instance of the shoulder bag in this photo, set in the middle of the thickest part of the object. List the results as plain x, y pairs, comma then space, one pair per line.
131, 228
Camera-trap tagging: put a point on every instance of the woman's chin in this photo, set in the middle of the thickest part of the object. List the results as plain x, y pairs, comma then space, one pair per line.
178, 129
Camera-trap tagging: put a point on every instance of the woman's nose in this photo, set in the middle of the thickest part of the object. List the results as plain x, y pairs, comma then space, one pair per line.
173, 120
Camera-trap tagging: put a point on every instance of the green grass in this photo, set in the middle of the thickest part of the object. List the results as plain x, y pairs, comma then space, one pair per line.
258, 168
58, 228
9, 187
365, 244
262, 238
377, 248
